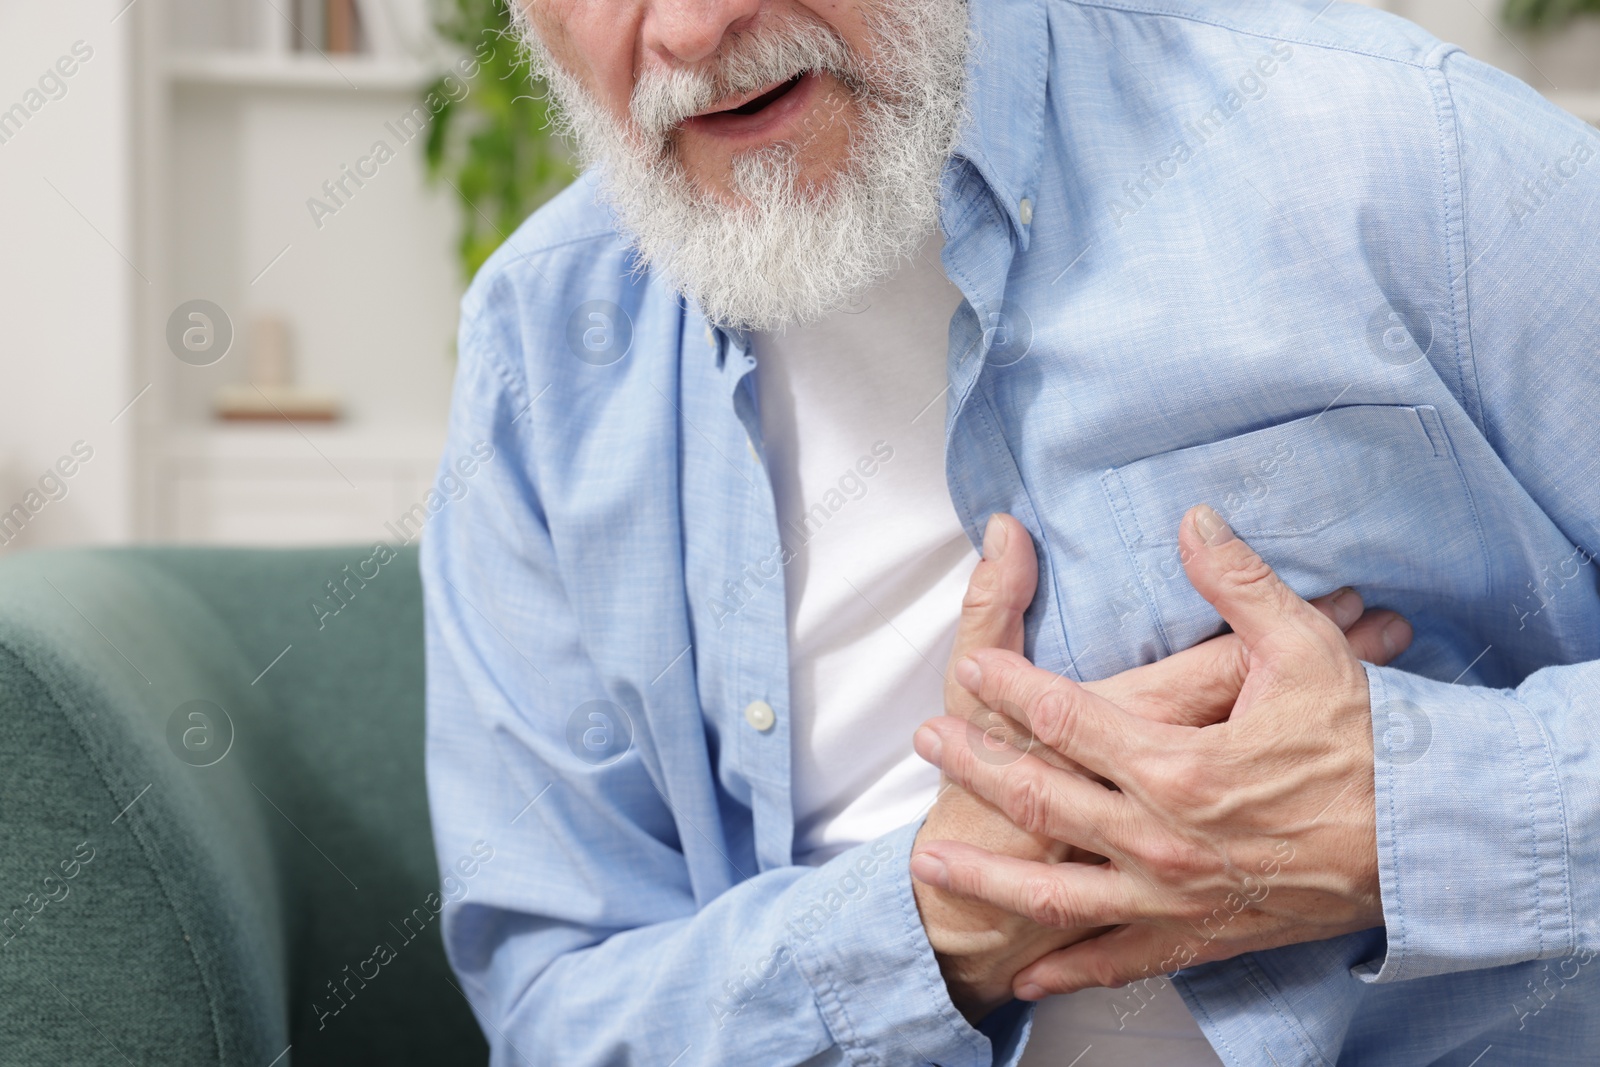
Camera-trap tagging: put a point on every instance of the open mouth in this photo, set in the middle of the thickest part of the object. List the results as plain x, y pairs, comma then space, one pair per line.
760, 115
768, 97
753, 105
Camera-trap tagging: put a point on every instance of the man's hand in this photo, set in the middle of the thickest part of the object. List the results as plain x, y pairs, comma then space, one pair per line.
980, 945
1254, 832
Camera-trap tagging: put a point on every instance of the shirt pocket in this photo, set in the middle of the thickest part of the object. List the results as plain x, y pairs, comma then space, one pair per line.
1370, 496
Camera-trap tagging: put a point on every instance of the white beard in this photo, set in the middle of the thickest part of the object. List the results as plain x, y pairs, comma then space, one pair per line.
786, 254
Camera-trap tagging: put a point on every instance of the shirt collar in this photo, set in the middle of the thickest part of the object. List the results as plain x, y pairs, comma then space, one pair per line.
1006, 73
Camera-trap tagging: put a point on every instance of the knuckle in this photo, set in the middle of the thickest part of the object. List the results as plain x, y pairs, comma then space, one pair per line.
1247, 570
1349, 672
1105, 971
983, 590
1050, 715
1236, 667
1047, 904
1028, 804
1188, 782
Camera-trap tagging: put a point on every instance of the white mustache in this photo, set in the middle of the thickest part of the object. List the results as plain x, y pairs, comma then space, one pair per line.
775, 52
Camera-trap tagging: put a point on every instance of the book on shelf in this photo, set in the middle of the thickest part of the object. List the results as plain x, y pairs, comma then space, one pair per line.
330, 26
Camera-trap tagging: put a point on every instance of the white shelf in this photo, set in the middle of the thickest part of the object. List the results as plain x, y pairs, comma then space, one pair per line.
208, 443
284, 485
264, 70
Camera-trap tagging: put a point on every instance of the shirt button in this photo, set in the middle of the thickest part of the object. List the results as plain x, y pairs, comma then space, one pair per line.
759, 713
1025, 211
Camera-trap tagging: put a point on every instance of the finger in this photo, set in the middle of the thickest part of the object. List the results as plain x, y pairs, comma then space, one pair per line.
1198, 686
999, 591
1195, 687
1061, 805
1070, 718
1246, 592
1343, 606
1112, 960
1064, 896
995, 733
1379, 637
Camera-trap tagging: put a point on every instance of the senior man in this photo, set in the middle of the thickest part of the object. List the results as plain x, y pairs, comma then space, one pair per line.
849, 283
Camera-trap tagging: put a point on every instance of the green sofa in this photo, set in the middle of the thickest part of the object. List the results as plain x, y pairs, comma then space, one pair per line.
214, 838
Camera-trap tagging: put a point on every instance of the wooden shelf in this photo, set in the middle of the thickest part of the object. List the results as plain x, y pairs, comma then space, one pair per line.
300, 71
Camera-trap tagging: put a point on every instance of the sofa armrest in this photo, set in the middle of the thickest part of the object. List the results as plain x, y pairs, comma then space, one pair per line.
142, 915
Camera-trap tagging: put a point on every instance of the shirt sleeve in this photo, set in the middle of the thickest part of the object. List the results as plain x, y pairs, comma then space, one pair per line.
1488, 801
580, 931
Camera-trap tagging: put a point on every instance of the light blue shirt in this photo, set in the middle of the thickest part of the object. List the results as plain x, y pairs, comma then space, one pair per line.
1307, 264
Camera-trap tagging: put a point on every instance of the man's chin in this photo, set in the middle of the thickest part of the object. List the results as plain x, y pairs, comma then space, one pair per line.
769, 249
811, 190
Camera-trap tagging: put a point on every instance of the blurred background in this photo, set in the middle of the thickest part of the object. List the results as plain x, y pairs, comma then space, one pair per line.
235, 233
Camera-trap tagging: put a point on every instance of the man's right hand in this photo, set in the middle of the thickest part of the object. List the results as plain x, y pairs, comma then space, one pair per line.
980, 948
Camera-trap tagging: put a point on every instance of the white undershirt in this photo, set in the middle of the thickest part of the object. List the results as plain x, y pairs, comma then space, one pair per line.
874, 596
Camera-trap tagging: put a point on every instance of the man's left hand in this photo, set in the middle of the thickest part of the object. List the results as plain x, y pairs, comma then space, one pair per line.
1247, 834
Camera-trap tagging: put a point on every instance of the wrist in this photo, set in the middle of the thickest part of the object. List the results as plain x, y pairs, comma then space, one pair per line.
980, 948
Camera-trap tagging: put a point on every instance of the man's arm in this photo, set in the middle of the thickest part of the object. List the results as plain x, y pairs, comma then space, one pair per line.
1512, 770
610, 924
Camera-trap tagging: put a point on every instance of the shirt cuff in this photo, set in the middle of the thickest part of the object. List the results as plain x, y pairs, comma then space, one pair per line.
875, 977
1472, 861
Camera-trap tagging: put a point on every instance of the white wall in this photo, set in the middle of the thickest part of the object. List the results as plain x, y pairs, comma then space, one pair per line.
1567, 61
370, 293
67, 286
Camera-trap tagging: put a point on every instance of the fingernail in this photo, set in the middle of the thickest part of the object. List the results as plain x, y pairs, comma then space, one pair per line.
926, 867
1396, 634
1030, 991
928, 745
1213, 531
969, 674
1346, 607
994, 538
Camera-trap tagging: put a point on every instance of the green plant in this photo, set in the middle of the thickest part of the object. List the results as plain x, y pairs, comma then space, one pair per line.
492, 143
1545, 14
